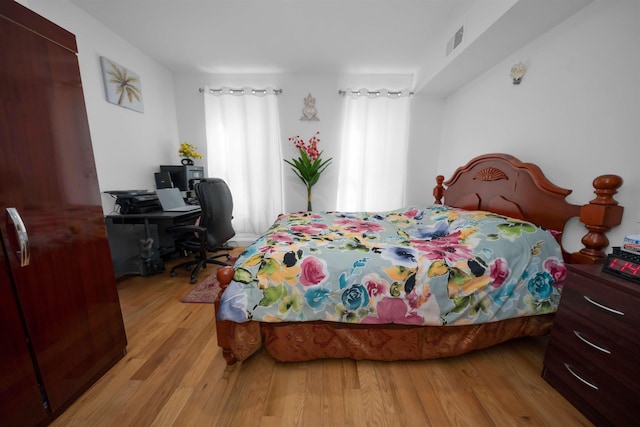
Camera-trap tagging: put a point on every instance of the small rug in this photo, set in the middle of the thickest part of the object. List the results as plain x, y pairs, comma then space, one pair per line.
206, 291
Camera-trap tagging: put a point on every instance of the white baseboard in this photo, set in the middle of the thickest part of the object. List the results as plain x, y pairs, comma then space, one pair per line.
243, 239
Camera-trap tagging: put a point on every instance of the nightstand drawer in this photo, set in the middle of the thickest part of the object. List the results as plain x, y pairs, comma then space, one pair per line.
613, 400
616, 310
594, 345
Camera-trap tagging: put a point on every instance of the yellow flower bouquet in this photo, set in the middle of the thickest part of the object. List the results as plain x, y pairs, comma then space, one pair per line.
188, 152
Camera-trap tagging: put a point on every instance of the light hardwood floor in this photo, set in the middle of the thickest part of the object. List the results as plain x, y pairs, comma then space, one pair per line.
174, 375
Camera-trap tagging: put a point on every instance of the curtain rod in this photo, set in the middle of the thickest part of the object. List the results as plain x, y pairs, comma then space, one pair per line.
363, 92
240, 91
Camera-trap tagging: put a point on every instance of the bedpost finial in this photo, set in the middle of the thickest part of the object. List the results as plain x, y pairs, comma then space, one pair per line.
225, 275
605, 188
438, 190
599, 216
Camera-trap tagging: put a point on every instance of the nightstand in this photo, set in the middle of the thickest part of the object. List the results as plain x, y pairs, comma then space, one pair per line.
593, 356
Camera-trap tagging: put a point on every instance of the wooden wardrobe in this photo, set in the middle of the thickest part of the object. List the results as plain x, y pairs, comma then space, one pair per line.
61, 324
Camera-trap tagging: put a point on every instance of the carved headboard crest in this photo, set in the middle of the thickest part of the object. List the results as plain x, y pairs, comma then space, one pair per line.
490, 174
530, 195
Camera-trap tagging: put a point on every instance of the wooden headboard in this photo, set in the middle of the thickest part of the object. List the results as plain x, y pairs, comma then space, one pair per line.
502, 184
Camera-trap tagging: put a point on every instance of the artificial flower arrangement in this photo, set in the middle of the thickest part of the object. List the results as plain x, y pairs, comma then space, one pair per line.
309, 166
188, 152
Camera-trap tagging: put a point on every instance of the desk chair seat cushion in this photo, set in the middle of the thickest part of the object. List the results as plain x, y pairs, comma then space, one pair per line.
213, 231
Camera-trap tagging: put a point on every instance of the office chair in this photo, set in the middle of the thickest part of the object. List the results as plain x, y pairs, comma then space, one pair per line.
212, 232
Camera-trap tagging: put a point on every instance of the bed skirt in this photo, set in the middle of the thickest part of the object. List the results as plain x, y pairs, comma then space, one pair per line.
297, 342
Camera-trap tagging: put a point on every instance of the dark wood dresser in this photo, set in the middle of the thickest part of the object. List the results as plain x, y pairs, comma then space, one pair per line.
593, 357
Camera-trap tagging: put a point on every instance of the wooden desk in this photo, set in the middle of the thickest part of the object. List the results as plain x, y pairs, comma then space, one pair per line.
139, 242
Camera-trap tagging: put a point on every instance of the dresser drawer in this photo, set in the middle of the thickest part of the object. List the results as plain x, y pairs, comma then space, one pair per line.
594, 345
615, 310
614, 401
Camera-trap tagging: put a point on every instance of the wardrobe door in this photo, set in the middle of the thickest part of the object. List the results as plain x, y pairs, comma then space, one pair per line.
67, 292
20, 399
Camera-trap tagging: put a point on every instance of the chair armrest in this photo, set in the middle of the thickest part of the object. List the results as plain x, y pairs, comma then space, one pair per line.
198, 232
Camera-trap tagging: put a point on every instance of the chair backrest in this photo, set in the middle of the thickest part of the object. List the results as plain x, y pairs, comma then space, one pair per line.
216, 203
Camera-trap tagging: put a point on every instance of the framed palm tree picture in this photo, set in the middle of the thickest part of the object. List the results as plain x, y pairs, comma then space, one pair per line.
122, 86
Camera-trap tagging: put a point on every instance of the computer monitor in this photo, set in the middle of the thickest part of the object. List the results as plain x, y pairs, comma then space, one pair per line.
163, 180
184, 177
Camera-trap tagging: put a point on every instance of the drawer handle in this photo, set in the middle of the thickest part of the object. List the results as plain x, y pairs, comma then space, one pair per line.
593, 386
586, 341
604, 307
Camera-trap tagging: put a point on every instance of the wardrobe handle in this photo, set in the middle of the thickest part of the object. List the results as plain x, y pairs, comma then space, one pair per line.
586, 341
24, 254
568, 367
604, 307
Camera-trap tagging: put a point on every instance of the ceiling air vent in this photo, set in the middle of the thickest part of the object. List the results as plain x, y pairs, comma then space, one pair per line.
455, 41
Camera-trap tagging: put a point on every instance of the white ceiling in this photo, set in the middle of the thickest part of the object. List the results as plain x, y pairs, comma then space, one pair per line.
273, 36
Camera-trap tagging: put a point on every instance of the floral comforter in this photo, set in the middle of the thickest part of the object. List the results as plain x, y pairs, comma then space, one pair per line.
421, 265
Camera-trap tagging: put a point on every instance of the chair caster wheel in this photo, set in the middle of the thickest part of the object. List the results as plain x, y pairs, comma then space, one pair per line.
193, 281
173, 274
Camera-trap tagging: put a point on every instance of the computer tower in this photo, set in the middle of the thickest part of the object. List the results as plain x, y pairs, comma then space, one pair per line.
135, 248
184, 176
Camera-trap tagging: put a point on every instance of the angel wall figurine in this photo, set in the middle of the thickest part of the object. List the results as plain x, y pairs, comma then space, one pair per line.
309, 112
517, 72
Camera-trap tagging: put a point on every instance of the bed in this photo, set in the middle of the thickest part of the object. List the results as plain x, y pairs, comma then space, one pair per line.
480, 265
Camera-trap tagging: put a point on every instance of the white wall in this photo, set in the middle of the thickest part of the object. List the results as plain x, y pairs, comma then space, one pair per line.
476, 20
323, 87
424, 148
128, 146
576, 113
577, 104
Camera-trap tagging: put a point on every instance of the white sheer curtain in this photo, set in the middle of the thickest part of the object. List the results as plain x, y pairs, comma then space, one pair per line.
243, 148
373, 159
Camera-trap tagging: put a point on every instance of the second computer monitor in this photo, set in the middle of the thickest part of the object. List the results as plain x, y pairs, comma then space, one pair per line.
163, 180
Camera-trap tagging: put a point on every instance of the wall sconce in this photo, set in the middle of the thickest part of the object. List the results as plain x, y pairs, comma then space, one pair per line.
517, 71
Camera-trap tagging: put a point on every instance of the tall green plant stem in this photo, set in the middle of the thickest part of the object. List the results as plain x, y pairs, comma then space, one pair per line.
308, 171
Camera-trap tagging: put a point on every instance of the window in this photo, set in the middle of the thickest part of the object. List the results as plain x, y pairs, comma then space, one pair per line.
243, 147
374, 141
